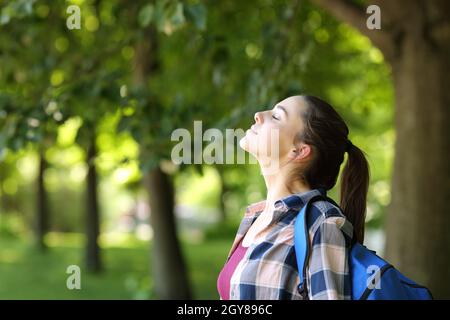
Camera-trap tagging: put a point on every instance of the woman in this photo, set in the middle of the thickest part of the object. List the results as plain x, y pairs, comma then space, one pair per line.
311, 142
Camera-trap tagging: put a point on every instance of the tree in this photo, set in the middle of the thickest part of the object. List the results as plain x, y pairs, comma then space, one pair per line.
28, 116
169, 270
42, 219
415, 39
58, 80
151, 122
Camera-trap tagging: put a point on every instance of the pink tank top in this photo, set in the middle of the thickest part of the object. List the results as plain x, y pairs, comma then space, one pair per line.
223, 281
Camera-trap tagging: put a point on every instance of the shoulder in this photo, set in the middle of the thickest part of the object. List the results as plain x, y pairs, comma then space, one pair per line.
324, 215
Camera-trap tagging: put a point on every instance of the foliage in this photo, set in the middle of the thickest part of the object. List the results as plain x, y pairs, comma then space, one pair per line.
62, 90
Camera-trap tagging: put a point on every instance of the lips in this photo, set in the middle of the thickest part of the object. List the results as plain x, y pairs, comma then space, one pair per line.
252, 128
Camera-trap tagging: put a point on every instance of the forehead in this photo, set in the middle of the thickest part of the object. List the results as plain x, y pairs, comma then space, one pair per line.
295, 105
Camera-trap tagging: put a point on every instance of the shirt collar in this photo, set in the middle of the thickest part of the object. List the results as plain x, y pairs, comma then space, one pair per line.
255, 208
282, 206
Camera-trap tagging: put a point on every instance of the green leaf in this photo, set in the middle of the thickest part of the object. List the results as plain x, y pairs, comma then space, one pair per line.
197, 14
146, 15
159, 15
16, 9
176, 14
169, 16
4, 18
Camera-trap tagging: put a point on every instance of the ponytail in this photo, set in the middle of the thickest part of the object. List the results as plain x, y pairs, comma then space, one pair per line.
327, 133
354, 187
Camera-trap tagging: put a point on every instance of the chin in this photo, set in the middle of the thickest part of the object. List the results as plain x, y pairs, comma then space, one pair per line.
247, 146
243, 143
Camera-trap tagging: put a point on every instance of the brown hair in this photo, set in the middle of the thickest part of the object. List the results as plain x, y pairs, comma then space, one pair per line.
326, 132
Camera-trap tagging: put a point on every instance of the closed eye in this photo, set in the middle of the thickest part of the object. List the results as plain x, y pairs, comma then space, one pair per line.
275, 117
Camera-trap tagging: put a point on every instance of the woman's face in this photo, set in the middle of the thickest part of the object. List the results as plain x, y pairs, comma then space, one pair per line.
273, 133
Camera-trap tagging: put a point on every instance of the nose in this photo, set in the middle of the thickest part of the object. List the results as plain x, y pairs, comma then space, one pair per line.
258, 118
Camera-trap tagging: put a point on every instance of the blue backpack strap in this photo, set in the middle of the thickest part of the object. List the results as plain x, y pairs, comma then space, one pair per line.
302, 244
301, 241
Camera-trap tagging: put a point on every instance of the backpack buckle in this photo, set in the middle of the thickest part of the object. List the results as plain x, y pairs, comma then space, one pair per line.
302, 291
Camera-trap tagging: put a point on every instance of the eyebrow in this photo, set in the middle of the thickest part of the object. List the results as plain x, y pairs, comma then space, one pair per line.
282, 108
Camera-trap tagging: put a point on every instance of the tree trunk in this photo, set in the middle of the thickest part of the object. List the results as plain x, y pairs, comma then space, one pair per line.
418, 224
415, 39
169, 271
41, 222
93, 262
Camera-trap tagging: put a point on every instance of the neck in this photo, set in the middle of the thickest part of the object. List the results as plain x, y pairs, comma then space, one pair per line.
277, 186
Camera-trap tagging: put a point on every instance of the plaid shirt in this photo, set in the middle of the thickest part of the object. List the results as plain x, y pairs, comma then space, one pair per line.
269, 271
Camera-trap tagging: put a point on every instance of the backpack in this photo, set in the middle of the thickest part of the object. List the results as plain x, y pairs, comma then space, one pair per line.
372, 278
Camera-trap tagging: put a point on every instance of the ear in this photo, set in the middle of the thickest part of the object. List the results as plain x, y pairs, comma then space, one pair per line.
300, 152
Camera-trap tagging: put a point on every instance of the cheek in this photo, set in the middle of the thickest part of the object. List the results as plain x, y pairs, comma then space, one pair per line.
286, 141
280, 141
272, 140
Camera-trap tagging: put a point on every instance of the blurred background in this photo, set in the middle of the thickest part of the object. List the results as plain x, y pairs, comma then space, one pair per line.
86, 116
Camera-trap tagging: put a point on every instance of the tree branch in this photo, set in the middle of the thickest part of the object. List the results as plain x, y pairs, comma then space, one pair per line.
347, 11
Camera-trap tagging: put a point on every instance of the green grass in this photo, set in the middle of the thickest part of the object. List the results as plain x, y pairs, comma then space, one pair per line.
26, 273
